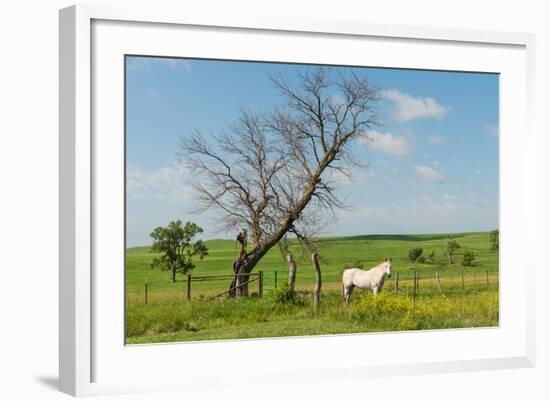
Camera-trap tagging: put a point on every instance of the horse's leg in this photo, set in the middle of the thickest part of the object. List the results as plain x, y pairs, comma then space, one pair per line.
375, 290
347, 293
350, 291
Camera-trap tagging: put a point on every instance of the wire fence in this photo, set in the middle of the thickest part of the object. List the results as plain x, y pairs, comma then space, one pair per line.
275, 279
412, 283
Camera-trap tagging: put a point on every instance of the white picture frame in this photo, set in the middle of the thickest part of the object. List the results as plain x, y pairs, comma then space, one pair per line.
88, 366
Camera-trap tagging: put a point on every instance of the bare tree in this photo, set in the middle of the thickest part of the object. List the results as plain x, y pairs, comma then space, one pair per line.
274, 173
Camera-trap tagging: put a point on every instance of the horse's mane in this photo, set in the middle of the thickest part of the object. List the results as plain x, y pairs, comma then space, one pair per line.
376, 267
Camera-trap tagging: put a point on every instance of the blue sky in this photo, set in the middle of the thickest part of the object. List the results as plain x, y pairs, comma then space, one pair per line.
433, 166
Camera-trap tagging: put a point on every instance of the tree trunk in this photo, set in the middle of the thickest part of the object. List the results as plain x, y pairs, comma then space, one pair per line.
173, 273
242, 283
239, 284
262, 247
317, 289
291, 272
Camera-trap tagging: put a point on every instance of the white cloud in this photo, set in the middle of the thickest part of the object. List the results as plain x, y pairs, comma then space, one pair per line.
419, 213
143, 63
429, 173
449, 197
138, 64
408, 107
387, 143
339, 179
478, 200
179, 63
435, 139
492, 129
167, 183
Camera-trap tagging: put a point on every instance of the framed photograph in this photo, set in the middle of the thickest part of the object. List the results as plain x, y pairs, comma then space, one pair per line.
240, 195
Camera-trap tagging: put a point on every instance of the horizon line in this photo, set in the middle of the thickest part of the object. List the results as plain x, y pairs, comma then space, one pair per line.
356, 236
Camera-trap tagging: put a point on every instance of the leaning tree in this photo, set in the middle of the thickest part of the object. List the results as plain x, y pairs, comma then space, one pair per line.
275, 172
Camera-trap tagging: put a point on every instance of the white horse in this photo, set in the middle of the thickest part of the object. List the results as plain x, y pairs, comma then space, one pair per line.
371, 279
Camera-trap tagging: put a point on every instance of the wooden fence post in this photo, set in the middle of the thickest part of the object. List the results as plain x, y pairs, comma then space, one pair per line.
487, 278
396, 281
189, 288
438, 281
291, 271
146, 285
462, 273
317, 289
260, 283
275, 278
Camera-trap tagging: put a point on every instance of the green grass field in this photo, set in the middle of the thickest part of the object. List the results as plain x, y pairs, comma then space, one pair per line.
168, 317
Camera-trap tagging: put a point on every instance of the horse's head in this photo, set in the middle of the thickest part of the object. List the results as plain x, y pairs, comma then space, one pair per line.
387, 267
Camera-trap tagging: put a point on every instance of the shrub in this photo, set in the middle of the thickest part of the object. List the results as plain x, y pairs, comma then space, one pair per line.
284, 295
468, 259
414, 254
494, 240
430, 259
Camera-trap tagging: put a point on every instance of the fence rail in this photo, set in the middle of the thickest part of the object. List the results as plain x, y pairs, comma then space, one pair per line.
258, 277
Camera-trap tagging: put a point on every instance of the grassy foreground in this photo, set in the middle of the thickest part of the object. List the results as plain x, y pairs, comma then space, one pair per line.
253, 318
167, 317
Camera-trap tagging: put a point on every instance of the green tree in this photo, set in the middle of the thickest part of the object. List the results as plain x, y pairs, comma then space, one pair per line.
468, 259
450, 249
414, 254
175, 244
494, 239
430, 259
